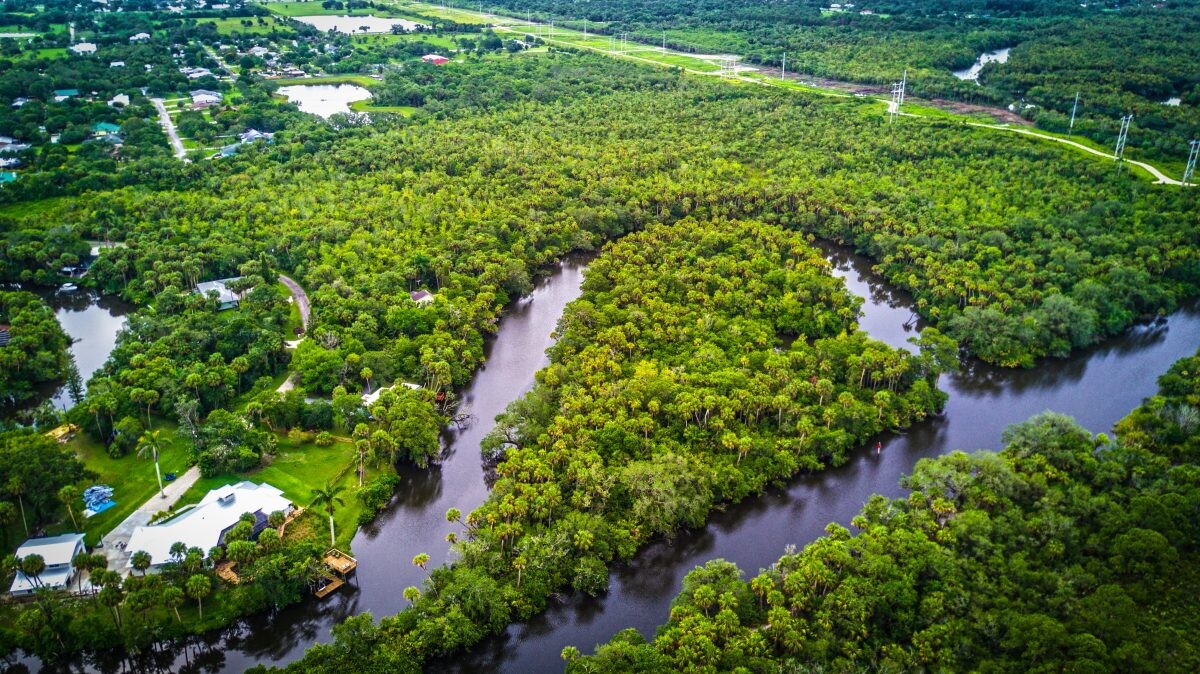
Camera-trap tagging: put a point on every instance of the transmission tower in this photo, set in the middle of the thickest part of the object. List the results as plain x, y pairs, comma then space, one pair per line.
729, 67
1191, 162
1073, 109
1122, 137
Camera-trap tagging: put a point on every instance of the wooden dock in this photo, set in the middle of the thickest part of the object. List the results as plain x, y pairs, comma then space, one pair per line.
339, 562
326, 585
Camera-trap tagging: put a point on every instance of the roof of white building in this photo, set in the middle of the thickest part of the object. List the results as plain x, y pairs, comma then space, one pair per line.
202, 526
53, 549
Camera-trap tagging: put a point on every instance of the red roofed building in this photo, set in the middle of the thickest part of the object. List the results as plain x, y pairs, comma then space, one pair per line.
435, 59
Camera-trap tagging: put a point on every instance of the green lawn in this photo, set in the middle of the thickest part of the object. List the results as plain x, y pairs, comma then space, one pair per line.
381, 39
365, 106
456, 15
132, 479
297, 469
360, 80
314, 8
235, 25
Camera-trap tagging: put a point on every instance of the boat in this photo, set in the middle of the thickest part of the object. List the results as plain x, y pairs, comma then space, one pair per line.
68, 288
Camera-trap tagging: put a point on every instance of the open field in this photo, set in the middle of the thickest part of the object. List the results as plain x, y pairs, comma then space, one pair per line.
313, 8
296, 469
238, 25
132, 479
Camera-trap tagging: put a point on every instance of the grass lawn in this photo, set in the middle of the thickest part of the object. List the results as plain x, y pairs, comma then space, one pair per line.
235, 25
314, 8
132, 479
365, 106
456, 15
298, 468
360, 80
44, 53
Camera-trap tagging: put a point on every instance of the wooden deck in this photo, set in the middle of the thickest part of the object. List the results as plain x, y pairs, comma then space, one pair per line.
340, 562
226, 573
330, 583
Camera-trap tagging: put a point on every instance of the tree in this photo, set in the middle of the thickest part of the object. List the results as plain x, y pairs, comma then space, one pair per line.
150, 444
412, 594
172, 597
140, 561
327, 497
68, 494
33, 566
8, 515
198, 587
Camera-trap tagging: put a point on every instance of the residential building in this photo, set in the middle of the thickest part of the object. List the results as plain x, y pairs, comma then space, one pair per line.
58, 552
435, 59
83, 48
206, 524
421, 297
226, 298
140, 37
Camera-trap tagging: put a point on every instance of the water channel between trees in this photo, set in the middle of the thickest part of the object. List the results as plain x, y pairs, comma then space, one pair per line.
1097, 386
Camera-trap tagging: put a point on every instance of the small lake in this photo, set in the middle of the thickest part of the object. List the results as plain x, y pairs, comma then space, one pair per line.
356, 24
324, 100
972, 73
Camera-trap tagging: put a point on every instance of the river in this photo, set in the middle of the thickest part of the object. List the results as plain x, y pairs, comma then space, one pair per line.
1097, 386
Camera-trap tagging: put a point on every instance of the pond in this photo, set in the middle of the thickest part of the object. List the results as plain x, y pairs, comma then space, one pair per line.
356, 24
92, 322
325, 100
972, 73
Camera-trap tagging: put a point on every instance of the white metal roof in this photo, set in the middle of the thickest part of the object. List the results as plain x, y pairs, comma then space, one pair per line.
54, 550
202, 525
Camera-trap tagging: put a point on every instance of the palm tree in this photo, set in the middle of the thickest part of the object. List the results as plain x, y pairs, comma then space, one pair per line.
150, 443
8, 515
140, 561
33, 566
67, 495
198, 587
412, 594
327, 497
17, 488
173, 597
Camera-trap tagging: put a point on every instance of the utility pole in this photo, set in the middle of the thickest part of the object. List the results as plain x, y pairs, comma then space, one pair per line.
664, 41
903, 88
1191, 162
1122, 137
783, 73
1073, 109
585, 29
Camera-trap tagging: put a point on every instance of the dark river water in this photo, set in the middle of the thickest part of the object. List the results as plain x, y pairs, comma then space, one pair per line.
92, 321
1097, 387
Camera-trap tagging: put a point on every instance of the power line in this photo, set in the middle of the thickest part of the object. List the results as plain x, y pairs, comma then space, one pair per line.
1122, 137
1191, 162
1073, 109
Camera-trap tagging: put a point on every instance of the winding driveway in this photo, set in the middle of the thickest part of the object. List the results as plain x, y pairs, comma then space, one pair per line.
164, 118
301, 299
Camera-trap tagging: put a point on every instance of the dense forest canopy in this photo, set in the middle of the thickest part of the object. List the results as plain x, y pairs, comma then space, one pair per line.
1062, 551
1122, 59
33, 346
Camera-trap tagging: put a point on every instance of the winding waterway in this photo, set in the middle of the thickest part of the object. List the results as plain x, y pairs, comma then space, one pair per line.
972, 73
1097, 386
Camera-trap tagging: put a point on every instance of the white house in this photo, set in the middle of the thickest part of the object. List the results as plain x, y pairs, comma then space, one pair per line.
226, 298
117, 64
59, 554
140, 37
119, 99
204, 526
203, 98
84, 48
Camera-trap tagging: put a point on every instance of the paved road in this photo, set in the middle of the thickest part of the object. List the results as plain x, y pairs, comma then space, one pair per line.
301, 299
164, 118
118, 557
